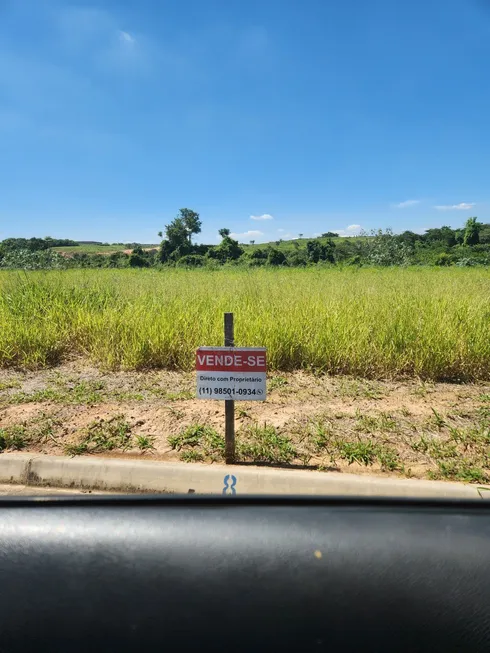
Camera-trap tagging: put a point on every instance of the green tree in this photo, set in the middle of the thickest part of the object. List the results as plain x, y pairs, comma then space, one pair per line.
276, 257
227, 250
192, 223
383, 248
178, 235
472, 231
317, 251
444, 235
138, 261
485, 234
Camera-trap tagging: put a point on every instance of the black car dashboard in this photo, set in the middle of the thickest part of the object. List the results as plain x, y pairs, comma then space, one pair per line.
235, 574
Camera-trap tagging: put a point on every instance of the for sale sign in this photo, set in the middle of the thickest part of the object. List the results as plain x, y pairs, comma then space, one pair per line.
237, 373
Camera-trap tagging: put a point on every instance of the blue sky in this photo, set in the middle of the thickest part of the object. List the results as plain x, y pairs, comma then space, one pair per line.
309, 115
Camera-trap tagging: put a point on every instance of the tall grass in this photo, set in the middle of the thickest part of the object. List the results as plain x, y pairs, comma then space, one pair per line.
432, 323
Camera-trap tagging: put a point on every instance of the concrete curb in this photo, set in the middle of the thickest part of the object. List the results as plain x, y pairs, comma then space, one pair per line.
147, 476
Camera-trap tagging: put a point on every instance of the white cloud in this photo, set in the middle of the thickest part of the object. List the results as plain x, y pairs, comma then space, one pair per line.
280, 230
125, 37
251, 235
405, 204
264, 216
351, 230
463, 206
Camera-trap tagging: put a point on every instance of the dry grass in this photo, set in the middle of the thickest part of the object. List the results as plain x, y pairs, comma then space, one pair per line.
426, 323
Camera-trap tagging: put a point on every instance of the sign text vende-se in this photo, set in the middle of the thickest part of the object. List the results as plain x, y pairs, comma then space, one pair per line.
237, 373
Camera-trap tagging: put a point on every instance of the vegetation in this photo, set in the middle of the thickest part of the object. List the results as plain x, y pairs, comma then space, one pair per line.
386, 442
374, 323
410, 428
444, 247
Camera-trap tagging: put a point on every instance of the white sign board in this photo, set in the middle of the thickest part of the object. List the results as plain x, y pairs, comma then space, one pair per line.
237, 373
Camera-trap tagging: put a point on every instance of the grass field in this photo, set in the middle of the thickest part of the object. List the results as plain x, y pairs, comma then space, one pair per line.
95, 249
415, 322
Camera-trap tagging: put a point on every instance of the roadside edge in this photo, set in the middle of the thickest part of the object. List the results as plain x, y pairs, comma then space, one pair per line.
120, 475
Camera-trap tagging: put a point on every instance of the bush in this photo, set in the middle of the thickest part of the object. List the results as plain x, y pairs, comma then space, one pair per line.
276, 257
383, 248
443, 260
191, 261
25, 259
138, 261
297, 258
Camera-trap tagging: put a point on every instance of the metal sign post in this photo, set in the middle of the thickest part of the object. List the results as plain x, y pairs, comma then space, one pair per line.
231, 374
229, 403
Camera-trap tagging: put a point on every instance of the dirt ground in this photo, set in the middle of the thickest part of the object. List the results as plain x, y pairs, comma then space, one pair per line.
405, 428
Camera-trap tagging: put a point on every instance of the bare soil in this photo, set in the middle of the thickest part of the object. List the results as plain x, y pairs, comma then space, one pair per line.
405, 428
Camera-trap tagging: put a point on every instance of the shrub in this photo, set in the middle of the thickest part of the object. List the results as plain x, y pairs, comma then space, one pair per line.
443, 260
276, 257
191, 261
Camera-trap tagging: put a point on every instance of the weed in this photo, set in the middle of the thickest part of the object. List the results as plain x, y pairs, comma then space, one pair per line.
461, 470
145, 442
276, 382
8, 385
127, 396
362, 452
322, 436
421, 445
191, 456
13, 437
48, 394
179, 396
388, 458
437, 420
241, 413
372, 424
359, 389
265, 444
85, 392
204, 439
103, 435
422, 390
176, 412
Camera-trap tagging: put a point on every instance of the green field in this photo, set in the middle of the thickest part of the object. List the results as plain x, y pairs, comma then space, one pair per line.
95, 249
375, 323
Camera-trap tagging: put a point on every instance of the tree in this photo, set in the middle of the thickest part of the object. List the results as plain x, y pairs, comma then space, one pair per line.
191, 222
276, 257
316, 251
300, 235
472, 232
485, 234
330, 234
138, 261
443, 260
252, 242
409, 238
383, 248
227, 250
444, 235
178, 234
